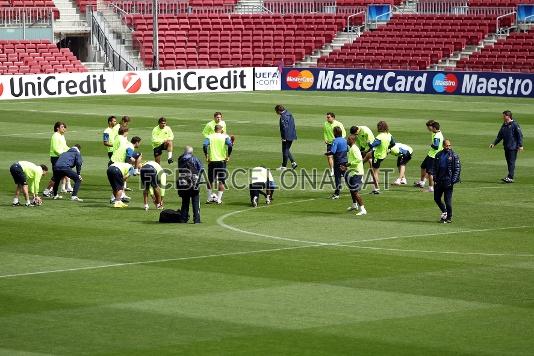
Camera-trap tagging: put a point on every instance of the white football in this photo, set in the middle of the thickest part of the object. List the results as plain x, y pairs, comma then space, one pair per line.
213, 197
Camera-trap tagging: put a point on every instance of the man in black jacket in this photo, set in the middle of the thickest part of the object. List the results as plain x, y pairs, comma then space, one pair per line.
512, 141
288, 134
189, 173
446, 171
63, 168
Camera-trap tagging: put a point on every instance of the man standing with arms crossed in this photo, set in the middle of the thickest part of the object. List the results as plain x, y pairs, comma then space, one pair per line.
217, 149
512, 141
446, 174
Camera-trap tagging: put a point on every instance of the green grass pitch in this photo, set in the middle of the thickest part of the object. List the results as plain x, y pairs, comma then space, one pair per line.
301, 276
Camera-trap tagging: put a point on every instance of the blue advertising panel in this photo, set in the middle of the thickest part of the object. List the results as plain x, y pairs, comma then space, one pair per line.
379, 13
414, 82
525, 13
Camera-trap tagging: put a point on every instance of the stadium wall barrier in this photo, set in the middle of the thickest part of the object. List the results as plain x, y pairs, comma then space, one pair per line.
62, 85
415, 82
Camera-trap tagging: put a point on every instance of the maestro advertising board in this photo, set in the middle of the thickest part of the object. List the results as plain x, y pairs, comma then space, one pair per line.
415, 82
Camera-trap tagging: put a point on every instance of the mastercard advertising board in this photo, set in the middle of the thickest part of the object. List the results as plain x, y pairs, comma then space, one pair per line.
413, 82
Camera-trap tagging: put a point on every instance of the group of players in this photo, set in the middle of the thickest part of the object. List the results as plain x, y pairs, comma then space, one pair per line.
346, 156
124, 161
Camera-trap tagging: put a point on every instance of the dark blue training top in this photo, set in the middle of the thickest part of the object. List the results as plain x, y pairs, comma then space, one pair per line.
339, 150
70, 159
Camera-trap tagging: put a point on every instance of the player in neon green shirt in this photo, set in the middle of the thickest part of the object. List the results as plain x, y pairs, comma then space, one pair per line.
27, 177
328, 137
153, 180
364, 138
109, 135
117, 174
353, 175
58, 145
162, 137
210, 126
428, 163
217, 148
379, 151
125, 122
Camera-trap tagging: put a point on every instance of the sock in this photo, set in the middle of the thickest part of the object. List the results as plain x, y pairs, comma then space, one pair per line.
15, 200
169, 155
62, 185
68, 185
209, 194
28, 202
124, 186
362, 209
219, 195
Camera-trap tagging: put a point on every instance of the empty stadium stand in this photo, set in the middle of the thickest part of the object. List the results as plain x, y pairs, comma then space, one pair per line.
412, 41
499, 3
221, 40
82, 5
35, 6
513, 54
36, 56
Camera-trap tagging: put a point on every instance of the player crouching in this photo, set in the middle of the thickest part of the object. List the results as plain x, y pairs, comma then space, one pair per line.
117, 174
261, 179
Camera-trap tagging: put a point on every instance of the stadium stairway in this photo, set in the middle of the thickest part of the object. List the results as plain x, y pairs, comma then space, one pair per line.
248, 6
70, 20
450, 63
119, 35
338, 41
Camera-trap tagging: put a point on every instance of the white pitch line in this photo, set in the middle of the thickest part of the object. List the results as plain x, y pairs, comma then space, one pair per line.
240, 253
439, 252
221, 223
345, 244
435, 234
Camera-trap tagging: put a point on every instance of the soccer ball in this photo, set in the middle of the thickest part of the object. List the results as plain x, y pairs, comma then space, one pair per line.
37, 201
213, 197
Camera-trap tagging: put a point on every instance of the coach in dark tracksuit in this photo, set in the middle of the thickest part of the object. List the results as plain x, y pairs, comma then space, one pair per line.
189, 173
288, 133
63, 168
512, 141
446, 171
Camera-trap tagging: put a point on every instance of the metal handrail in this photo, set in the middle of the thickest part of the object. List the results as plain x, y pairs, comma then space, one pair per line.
349, 27
498, 29
384, 14
524, 20
117, 61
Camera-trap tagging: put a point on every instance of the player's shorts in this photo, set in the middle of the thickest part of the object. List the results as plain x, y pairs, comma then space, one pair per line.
376, 162
402, 160
354, 183
328, 147
428, 164
53, 160
115, 178
18, 175
159, 150
217, 171
148, 177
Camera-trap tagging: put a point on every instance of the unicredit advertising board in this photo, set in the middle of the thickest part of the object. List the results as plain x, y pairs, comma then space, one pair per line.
126, 83
415, 82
